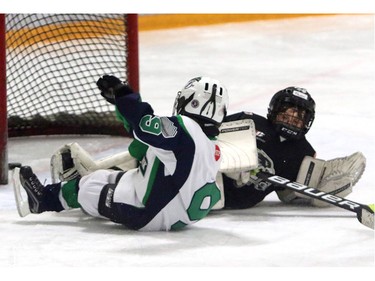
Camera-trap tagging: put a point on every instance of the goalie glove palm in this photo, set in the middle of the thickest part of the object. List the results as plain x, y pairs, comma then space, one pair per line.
110, 87
335, 177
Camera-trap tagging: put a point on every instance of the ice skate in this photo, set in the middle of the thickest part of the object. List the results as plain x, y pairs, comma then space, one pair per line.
34, 189
25, 178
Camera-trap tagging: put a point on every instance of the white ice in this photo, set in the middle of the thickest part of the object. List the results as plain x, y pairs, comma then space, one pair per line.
331, 56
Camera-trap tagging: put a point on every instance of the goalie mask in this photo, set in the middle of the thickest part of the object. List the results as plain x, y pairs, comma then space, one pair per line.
203, 99
292, 112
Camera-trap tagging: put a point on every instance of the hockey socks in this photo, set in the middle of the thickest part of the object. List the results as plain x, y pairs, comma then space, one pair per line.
69, 194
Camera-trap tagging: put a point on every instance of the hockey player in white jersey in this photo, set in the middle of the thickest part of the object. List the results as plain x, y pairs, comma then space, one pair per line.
174, 184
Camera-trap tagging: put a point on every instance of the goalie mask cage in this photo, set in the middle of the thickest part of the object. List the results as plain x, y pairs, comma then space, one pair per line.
52, 64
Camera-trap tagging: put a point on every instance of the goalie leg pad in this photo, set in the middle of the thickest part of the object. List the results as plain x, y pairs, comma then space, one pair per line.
62, 165
72, 160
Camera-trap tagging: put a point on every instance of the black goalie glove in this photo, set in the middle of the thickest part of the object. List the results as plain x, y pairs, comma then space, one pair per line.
111, 87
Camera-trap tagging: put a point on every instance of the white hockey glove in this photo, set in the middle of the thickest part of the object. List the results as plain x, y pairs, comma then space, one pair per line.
336, 177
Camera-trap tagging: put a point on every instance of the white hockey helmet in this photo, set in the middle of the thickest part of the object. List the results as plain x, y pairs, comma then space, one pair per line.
204, 99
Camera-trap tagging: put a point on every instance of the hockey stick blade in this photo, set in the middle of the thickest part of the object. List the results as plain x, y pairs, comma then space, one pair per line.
365, 213
22, 204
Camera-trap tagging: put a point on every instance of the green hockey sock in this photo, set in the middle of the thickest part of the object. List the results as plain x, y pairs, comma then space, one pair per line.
70, 193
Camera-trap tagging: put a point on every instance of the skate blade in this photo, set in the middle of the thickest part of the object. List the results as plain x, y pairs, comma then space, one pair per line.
22, 204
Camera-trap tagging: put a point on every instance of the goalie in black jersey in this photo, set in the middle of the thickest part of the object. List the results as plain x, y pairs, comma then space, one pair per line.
283, 150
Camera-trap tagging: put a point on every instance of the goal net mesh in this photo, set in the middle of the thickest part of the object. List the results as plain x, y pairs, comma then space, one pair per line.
53, 63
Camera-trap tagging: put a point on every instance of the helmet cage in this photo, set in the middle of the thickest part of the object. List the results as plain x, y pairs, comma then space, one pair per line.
292, 97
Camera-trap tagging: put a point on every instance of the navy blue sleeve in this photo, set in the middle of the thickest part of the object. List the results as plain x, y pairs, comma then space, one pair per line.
132, 108
167, 133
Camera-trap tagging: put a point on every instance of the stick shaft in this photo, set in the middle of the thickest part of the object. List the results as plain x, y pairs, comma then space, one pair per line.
364, 213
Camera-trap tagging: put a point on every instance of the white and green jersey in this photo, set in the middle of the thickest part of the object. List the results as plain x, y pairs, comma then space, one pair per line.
174, 184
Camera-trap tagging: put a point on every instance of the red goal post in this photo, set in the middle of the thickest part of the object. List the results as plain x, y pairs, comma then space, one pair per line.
49, 64
3, 105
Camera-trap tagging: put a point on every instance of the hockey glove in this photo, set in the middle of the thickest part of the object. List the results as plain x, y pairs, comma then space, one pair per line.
111, 87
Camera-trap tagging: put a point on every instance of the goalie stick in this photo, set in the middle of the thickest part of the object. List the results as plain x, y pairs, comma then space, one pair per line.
365, 213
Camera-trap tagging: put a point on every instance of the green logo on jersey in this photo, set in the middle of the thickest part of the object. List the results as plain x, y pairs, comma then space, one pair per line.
158, 125
203, 201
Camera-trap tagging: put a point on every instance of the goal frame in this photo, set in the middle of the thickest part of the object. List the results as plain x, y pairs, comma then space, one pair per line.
3, 105
132, 76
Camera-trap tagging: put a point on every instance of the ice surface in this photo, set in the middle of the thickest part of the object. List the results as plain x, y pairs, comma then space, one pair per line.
331, 56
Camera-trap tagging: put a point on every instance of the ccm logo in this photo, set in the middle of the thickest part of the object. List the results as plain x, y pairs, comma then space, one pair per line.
313, 192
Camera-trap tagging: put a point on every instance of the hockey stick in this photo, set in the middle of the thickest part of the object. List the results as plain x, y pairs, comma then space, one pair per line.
365, 213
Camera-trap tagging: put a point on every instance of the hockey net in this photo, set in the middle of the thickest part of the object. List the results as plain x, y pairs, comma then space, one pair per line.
52, 64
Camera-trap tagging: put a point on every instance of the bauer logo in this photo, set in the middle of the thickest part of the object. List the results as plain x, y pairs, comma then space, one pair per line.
217, 153
313, 192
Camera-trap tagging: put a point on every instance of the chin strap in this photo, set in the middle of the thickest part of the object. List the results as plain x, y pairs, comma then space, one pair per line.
210, 129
